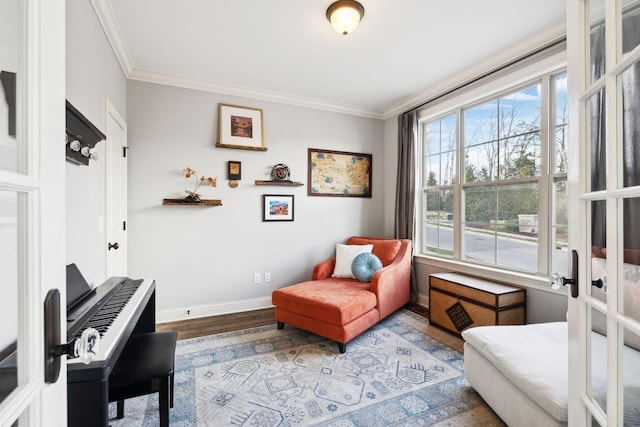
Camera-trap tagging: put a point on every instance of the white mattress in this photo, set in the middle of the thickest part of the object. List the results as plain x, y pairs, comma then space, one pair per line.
534, 358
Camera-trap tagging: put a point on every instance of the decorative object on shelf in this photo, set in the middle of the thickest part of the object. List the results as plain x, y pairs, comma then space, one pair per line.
234, 173
345, 15
234, 170
280, 175
277, 207
193, 196
81, 137
339, 173
280, 172
240, 127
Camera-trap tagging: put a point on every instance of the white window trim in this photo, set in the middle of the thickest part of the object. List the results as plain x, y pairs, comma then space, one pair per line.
552, 64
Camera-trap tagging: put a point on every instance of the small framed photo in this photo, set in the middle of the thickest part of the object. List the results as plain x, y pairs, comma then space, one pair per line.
240, 127
277, 207
234, 170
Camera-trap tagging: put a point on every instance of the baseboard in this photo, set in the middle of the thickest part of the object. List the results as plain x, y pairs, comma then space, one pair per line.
187, 313
423, 300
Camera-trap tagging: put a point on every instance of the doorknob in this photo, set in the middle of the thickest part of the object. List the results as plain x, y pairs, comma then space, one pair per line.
86, 347
113, 245
557, 281
600, 283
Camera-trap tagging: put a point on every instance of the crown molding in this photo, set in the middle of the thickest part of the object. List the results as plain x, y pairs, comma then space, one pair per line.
522, 48
114, 34
247, 92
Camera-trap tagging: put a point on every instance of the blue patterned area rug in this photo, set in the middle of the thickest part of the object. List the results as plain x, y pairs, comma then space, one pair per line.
391, 375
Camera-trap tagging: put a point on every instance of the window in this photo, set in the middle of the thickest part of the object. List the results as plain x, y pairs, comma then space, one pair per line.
494, 177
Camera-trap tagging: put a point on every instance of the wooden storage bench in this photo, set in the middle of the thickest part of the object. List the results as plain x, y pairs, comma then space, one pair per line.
458, 302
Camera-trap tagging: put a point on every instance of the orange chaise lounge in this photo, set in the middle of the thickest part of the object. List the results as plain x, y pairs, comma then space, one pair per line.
341, 308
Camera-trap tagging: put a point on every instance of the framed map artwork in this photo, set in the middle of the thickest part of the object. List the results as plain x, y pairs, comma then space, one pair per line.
339, 173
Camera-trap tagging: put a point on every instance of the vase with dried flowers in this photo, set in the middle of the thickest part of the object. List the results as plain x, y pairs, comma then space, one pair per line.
193, 196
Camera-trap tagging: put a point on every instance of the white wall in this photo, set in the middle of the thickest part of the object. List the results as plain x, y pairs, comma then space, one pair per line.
93, 74
203, 258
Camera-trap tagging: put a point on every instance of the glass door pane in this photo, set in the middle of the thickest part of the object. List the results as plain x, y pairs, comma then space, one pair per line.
9, 291
629, 83
629, 295
560, 124
597, 140
9, 64
631, 379
596, 37
9, 45
560, 229
630, 17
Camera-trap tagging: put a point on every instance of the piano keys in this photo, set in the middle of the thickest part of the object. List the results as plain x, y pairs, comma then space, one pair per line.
118, 308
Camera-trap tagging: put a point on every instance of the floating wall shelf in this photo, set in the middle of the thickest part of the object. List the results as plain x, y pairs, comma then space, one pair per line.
203, 202
281, 183
242, 147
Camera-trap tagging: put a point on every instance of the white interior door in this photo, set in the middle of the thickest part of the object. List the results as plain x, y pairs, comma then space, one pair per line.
32, 237
604, 328
116, 193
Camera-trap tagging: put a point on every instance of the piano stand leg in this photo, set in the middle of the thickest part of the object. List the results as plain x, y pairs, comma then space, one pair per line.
171, 391
120, 409
164, 402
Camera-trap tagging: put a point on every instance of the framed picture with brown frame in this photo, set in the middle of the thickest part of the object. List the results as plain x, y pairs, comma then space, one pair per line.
339, 173
240, 127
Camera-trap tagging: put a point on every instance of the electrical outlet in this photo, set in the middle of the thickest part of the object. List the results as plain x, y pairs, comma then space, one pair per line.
256, 278
267, 277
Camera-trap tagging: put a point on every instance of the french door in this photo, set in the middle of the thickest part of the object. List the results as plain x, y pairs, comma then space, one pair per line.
604, 189
32, 237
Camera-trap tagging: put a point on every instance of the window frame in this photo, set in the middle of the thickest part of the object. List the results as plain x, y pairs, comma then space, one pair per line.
519, 76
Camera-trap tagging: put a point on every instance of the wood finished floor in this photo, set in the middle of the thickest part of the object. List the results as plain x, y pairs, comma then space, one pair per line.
194, 328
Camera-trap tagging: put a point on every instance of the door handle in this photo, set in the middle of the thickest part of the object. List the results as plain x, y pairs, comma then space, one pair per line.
114, 245
86, 347
600, 283
557, 281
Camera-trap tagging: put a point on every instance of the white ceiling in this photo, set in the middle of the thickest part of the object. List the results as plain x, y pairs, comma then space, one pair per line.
286, 50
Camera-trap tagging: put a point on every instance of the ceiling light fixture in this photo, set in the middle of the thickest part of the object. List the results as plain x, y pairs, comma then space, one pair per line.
345, 15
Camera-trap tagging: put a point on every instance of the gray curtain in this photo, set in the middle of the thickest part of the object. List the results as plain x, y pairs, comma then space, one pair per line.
405, 185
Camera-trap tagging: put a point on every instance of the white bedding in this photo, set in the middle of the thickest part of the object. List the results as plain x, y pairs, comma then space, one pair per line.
534, 358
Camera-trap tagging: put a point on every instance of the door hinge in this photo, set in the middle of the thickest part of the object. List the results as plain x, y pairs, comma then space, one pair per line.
124, 225
124, 151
